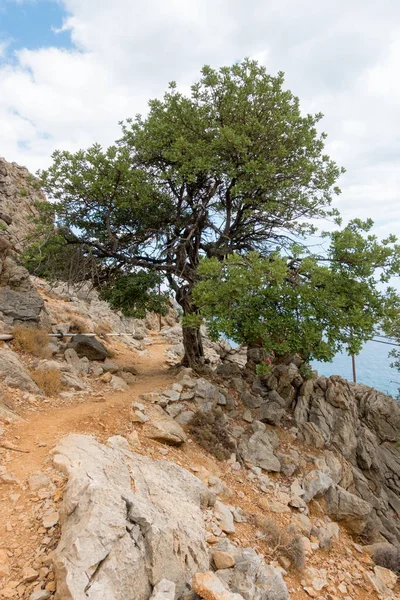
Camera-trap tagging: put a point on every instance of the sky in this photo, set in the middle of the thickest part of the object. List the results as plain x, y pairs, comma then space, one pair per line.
70, 70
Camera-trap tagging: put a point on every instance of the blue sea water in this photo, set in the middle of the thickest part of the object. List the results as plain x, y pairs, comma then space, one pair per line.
372, 366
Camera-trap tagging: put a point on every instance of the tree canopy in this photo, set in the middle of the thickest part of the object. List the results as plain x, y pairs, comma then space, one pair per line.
233, 167
298, 302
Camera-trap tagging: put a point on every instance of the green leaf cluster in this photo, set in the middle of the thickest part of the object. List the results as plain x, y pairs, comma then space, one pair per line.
136, 294
313, 305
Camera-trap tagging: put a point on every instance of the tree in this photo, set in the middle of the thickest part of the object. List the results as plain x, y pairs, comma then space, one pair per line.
234, 167
312, 305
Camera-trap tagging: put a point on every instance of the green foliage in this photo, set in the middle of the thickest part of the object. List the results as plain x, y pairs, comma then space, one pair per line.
135, 294
263, 370
54, 260
23, 192
306, 371
192, 320
230, 168
102, 201
302, 303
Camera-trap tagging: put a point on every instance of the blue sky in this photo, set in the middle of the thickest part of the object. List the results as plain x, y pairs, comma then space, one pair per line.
32, 25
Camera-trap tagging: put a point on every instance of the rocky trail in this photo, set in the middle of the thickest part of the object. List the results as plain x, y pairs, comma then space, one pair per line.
30, 502
32, 438
102, 416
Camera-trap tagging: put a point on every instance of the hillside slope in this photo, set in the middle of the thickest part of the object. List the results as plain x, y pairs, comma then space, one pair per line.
124, 476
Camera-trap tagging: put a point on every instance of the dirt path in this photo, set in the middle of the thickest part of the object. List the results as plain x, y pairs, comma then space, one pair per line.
26, 540
23, 542
41, 431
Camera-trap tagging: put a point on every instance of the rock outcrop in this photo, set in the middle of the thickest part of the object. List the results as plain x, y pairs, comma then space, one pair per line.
361, 426
19, 194
13, 372
127, 523
19, 300
134, 528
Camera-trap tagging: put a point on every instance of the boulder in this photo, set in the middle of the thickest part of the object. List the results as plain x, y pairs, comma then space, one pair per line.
251, 401
270, 412
380, 413
185, 417
311, 434
128, 522
315, 484
332, 408
223, 560
13, 373
224, 517
54, 365
205, 389
88, 346
74, 361
20, 306
347, 508
110, 367
165, 590
259, 450
228, 370
117, 383
163, 428
72, 381
251, 577
209, 587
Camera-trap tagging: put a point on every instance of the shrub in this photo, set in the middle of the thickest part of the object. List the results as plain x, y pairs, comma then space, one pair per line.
32, 340
263, 369
306, 371
78, 325
209, 432
388, 557
283, 542
49, 381
370, 534
294, 549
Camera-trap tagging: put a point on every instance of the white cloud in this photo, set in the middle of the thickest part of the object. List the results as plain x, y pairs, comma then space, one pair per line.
340, 58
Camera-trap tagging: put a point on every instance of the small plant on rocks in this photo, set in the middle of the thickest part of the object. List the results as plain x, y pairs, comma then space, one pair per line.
388, 557
209, 431
282, 542
370, 534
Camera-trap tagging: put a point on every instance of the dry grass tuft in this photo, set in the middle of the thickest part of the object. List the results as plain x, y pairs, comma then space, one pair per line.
102, 328
32, 340
49, 381
78, 325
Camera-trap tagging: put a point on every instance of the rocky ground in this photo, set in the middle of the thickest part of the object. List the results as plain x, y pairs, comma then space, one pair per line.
139, 461
126, 477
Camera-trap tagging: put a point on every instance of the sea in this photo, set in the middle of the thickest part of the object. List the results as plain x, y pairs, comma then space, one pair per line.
372, 367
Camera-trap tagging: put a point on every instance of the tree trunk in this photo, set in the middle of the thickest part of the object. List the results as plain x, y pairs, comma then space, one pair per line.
192, 342
194, 353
